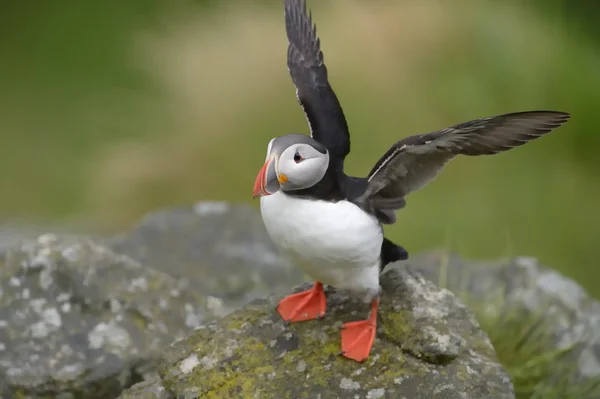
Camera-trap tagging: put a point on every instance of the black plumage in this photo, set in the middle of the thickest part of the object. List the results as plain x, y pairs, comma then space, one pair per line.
308, 71
410, 163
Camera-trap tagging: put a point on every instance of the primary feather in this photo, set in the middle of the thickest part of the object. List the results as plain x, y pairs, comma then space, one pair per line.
413, 162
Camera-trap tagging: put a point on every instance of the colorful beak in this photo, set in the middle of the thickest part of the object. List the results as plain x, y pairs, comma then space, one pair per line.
266, 182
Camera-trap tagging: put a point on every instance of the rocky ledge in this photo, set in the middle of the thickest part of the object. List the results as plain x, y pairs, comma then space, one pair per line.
97, 318
86, 318
428, 346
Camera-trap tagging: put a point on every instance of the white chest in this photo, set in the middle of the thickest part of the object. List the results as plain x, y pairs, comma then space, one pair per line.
335, 243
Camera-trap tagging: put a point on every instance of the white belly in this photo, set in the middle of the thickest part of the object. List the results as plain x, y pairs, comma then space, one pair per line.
334, 243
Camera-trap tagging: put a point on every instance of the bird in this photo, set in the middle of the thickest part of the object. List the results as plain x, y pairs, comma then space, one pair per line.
330, 224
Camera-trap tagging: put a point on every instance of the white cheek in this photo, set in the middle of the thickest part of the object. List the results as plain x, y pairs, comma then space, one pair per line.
302, 175
284, 167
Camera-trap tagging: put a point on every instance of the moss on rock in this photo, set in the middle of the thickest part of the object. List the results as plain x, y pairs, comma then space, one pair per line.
428, 346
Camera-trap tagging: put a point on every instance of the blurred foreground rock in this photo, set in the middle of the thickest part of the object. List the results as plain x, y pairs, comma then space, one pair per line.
216, 248
76, 317
88, 317
428, 346
82, 317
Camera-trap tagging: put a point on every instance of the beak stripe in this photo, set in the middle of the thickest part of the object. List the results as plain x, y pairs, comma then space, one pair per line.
267, 181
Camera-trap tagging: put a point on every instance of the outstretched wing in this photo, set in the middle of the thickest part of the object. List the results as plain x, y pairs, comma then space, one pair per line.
309, 74
413, 162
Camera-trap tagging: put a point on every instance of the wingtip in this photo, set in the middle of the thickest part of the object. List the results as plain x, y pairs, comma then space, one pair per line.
302, 34
552, 117
559, 114
561, 117
566, 115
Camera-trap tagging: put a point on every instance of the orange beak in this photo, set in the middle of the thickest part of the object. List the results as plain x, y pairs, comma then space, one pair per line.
267, 177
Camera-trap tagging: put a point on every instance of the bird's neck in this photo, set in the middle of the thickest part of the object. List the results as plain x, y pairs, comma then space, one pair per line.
329, 188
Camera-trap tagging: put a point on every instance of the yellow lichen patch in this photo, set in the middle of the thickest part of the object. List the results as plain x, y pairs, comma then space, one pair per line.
235, 324
397, 325
251, 352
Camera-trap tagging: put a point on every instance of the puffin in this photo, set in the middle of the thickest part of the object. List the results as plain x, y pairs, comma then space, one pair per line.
329, 224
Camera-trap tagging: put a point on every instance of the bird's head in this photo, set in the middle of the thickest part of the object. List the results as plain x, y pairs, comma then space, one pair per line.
293, 162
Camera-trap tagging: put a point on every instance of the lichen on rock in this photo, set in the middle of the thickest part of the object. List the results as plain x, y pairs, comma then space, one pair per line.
87, 318
554, 346
78, 319
428, 346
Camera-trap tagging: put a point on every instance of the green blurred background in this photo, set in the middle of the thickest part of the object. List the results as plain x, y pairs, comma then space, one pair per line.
111, 109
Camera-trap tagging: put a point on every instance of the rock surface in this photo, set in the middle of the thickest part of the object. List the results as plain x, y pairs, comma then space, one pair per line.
522, 288
219, 249
151, 388
87, 318
77, 318
428, 346
82, 317
14, 232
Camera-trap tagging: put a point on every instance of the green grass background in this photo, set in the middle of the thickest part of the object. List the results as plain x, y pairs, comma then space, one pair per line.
111, 109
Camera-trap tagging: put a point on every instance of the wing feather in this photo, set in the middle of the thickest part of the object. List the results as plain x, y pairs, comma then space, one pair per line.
413, 162
307, 68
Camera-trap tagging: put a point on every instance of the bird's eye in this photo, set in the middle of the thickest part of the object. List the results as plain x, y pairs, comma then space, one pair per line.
297, 157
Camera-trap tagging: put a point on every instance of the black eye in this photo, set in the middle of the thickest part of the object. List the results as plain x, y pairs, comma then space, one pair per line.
297, 157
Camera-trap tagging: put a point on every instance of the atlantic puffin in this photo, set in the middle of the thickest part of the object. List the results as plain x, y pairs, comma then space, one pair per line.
330, 224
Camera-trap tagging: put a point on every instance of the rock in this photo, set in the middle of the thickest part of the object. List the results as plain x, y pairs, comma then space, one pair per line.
83, 317
78, 319
87, 317
217, 248
11, 235
428, 346
522, 289
148, 389
14, 232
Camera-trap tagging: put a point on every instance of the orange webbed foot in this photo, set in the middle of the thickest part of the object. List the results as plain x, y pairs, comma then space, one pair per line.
303, 306
358, 336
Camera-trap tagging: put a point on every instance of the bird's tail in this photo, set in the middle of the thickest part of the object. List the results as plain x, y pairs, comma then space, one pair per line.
391, 252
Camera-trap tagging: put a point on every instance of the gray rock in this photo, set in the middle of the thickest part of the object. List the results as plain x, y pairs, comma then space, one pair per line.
428, 346
148, 389
77, 319
523, 289
217, 248
86, 318
14, 232
11, 235
80, 318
